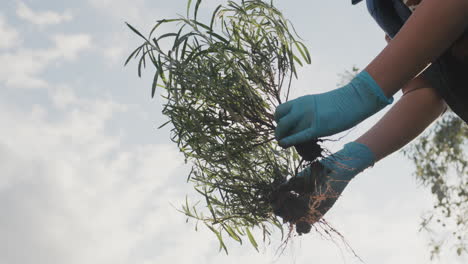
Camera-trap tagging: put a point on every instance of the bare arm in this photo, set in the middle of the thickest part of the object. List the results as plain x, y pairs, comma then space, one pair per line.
419, 106
408, 118
429, 31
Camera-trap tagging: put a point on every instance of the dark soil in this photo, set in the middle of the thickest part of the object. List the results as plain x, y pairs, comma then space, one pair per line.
310, 150
296, 204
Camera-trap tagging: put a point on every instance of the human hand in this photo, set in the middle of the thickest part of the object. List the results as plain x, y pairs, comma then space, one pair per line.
324, 181
313, 116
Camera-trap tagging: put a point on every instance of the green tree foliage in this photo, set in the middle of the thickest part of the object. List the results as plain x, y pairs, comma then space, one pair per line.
439, 156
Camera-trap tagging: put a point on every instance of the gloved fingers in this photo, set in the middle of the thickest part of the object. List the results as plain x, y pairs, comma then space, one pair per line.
297, 138
282, 110
286, 125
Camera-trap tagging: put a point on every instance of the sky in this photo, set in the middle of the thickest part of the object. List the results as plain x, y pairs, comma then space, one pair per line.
88, 178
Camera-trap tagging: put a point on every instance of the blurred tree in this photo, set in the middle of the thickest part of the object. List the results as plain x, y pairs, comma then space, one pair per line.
440, 161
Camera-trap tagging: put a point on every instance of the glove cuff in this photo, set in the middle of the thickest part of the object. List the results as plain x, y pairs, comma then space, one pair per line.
373, 88
351, 160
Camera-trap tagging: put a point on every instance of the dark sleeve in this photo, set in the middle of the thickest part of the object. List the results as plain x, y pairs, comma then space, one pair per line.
385, 14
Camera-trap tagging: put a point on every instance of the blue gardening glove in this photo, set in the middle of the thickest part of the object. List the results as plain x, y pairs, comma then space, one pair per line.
313, 116
331, 175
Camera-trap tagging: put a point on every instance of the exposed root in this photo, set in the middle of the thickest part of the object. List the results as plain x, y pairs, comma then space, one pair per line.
303, 209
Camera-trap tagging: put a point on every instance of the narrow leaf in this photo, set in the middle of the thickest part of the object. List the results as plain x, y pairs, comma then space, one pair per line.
218, 36
197, 5
220, 239
188, 7
232, 233
132, 54
160, 22
251, 239
136, 31
214, 16
155, 83
297, 60
166, 35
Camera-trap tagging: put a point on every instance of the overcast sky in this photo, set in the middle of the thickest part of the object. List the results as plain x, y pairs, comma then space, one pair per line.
87, 178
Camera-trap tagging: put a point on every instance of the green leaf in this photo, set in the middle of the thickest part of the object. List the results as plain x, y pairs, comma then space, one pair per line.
251, 239
155, 83
140, 64
297, 60
176, 40
218, 36
303, 50
166, 35
208, 203
136, 31
232, 233
235, 50
184, 48
160, 69
306, 50
160, 22
133, 53
155, 41
214, 16
188, 7
220, 239
193, 56
201, 25
280, 226
197, 5
184, 38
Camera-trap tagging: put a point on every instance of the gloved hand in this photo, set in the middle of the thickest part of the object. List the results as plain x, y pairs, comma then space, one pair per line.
331, 175
313, 116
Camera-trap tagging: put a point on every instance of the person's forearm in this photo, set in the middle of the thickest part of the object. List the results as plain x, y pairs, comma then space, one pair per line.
429, 31
413, 113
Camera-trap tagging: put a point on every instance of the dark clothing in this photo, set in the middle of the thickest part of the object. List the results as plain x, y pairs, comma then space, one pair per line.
448, 74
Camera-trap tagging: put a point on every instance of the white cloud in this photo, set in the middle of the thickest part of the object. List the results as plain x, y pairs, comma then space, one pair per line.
136, 11
69, 46
22, 67
41, 18
121, 41
9, 35
115, 54
70, 193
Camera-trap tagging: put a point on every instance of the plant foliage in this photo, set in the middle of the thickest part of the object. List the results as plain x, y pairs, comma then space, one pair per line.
221, 82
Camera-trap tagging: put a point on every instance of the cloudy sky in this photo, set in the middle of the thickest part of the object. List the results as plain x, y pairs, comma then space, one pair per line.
87, 178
